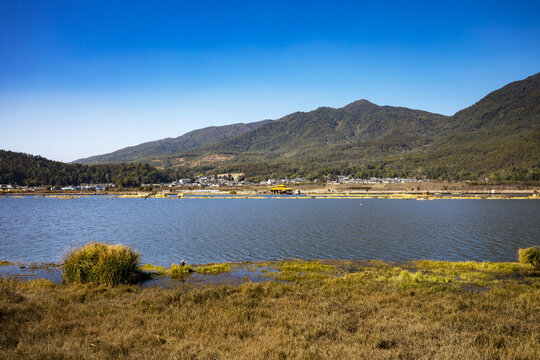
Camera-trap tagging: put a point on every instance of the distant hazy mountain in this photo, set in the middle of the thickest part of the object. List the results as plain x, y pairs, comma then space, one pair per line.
147, 151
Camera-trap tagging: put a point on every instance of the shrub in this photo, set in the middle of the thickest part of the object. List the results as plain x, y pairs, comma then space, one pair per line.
530, 256
100, 263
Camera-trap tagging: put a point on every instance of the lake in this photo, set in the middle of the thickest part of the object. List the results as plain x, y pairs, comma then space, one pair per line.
217, 230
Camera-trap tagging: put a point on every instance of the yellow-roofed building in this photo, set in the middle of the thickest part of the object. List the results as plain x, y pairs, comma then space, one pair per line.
281, 189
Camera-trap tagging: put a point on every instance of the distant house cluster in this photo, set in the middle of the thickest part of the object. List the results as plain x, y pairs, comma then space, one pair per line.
297, 180
7, 187
220, 181
216, 181
86, 187
375, 180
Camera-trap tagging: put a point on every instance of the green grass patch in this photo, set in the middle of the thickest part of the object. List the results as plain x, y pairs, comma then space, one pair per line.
100, 263
214, 269
179, 270
530, 256
6, 263
502, 267
442, 277
304, 267
404, 278
153, 269
477, 278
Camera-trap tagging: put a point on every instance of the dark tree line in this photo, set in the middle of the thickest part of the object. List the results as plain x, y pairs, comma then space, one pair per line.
29, 170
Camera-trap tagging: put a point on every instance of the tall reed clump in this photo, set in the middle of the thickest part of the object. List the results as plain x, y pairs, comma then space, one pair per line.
100, 263
530, 256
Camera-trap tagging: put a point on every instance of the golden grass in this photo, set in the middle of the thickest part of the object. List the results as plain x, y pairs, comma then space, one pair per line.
213, 269
100, 263
179, 270
304, 267
502, 267
377, 311
530, 256
155, 269
270, 320
6, 263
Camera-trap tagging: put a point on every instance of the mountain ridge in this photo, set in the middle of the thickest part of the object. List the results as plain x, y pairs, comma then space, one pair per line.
171, 146
362, 135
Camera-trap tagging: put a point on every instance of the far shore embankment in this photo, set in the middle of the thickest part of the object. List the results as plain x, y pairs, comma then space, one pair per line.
463, 188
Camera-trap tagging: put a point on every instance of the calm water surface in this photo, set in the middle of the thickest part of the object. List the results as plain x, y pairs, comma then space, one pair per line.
213, 230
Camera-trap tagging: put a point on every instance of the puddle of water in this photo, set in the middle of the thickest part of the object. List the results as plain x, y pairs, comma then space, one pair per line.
32, 271
237, 275
52, 272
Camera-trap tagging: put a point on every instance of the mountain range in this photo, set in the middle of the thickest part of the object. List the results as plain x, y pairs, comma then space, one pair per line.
499, 136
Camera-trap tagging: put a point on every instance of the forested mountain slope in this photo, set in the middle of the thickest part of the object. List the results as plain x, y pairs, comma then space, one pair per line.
24, 169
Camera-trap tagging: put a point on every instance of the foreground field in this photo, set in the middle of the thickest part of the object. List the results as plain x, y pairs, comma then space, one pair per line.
305, 310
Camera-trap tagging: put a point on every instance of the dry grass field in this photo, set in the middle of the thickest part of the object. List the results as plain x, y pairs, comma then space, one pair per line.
304, 310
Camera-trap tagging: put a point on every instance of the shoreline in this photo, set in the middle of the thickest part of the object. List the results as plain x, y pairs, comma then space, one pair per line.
310, 188
238, 272
313, 194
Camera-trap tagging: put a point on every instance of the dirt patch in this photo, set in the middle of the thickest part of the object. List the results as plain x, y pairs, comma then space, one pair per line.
213, 159
234, 175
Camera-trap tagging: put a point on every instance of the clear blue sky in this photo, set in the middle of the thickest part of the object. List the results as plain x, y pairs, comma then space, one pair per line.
80, 78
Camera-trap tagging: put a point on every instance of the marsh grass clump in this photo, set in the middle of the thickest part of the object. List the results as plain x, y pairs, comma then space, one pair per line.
100, 263
214, 269
491, 267
155, 269
6, 263
302, 270
177, 270
305, 267
530, 256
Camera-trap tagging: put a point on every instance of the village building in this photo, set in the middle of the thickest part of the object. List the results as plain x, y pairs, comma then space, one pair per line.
281, 189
